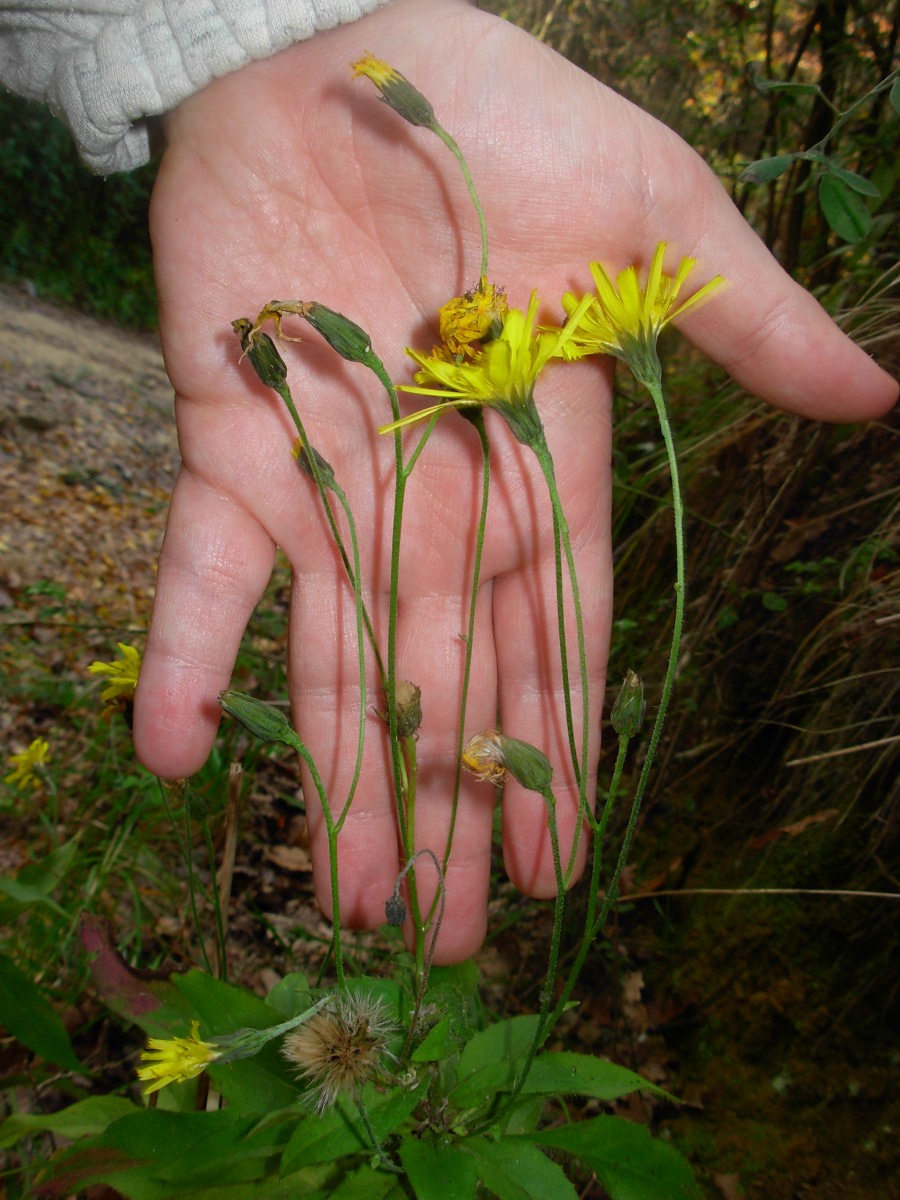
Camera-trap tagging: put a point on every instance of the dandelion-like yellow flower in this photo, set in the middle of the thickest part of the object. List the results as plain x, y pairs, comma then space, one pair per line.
396, 91
467, 320
122, 675
28, 765
625, 319
502, 375
172, 1060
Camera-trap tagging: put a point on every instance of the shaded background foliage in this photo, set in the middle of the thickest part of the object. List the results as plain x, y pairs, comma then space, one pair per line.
74, 237
779, 765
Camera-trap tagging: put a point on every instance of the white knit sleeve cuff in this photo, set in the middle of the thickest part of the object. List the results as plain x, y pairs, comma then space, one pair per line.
105, 68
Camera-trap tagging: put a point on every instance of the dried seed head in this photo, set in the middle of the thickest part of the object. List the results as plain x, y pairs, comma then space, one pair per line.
340, 1048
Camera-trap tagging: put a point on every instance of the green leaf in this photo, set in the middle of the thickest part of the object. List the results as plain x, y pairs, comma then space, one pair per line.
365, 1184
85, 1118
629, 1163
844, 211
894, 96
764, 170
260, 1084
570, 1074
22, 894
326, 1137
513, 1169
856, 183
32, 1020
290, 996
773, 602
491, 1060
438, 1170
50, 871
153, 1154
436, 1044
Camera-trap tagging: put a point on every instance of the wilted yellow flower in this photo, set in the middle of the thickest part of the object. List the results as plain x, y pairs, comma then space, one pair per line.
122, 675
396, 91
28, 765
172, 1060
341, 1047
483, 758
625, 319
490, 755
502, 375
467, 320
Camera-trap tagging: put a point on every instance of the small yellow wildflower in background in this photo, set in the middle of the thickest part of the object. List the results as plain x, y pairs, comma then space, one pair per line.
468, 320
396, 91
625, 319
172, 1060
28, 766
122, 675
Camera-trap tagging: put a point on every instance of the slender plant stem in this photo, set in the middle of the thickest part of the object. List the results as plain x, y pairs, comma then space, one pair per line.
655, 389
598, 829
291, 738
478, 421
544, 1017
454, 149
563, 545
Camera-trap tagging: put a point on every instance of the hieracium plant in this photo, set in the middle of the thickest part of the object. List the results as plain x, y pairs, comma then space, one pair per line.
401, 1085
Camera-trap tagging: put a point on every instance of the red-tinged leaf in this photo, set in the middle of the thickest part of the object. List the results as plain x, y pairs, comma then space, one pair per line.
128, 992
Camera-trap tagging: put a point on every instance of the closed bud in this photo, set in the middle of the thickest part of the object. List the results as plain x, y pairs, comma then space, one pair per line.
409, 707
490, 755
395, 910
396, 91
628, 710
527, 764
263, 720
306, 455
262, 352
343, 335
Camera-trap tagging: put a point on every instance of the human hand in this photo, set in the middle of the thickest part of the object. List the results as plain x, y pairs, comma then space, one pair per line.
286, 180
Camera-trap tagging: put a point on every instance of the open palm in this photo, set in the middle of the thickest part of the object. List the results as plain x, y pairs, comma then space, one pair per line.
286, 180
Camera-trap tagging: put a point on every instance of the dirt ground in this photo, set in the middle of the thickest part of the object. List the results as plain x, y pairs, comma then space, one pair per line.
88, 456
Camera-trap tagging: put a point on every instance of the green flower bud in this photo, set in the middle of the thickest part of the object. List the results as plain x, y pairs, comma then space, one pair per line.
343, 335
490, 755
306, 455
263, 720
396, 91
527, 764
262, 352
629, 707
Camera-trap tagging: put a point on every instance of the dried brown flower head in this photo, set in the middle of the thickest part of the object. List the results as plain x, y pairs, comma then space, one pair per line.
341, 1047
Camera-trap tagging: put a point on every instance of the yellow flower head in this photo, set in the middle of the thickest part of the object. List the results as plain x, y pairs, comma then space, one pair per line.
122, 676
483, 757
466, 321
28, 766
502, 375
396, 91
172, 1060
625, 319
490, 756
